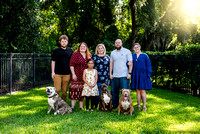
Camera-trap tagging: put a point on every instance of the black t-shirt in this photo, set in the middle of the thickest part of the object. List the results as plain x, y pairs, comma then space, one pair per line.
62, 58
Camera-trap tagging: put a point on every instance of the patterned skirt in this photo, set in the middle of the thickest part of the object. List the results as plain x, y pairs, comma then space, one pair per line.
75, 90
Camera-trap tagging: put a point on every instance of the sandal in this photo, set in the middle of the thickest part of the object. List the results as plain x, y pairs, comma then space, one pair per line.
144, 109
139, 108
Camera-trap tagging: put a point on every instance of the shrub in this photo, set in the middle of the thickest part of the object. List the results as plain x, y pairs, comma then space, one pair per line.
188, 50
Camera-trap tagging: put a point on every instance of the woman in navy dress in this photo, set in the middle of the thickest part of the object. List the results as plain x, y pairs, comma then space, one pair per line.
102, 61
140, 79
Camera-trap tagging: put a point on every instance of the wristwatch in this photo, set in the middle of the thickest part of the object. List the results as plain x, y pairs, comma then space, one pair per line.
130, 73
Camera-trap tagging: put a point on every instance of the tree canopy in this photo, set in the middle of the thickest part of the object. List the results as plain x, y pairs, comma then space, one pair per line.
158, 25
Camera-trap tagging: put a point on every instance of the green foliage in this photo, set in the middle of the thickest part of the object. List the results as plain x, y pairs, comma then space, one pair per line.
49, 38
35, 26
168, 112
111, 34
84, 21
177, 70
123, 20
146, 19
19, 26
160, 53
75, 46
187, 50
49, 42
195, 39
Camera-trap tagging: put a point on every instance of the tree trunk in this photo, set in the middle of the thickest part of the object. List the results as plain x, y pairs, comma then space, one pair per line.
151, 18
133, 17
149, 41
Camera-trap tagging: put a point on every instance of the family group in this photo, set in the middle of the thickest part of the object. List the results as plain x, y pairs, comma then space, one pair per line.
84, 73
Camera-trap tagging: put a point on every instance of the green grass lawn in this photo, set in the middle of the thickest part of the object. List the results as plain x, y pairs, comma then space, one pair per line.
168, 112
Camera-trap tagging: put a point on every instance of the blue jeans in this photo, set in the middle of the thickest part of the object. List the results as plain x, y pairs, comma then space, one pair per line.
116, 85
98, 97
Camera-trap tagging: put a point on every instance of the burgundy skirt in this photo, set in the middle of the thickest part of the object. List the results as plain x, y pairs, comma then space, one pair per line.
75, 90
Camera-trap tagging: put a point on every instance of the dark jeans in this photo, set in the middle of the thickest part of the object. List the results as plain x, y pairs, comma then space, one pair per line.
116, 85
93, 101
98, 97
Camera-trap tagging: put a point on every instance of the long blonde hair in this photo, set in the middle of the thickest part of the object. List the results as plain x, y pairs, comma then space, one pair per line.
97, 47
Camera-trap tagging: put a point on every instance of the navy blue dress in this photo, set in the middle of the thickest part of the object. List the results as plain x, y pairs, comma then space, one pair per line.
141, 73
102, 67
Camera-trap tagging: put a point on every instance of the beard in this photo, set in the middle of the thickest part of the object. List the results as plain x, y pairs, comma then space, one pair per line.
118, 48
63, 47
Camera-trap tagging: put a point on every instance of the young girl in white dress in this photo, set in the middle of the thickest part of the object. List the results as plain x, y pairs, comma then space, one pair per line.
90, 89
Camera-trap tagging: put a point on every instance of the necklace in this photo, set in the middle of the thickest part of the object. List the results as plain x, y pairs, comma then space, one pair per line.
137, 56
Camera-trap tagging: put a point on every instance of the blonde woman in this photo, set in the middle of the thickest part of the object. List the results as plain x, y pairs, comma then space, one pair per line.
102, 61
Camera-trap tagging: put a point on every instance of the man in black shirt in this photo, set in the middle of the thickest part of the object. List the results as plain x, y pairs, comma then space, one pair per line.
60, 66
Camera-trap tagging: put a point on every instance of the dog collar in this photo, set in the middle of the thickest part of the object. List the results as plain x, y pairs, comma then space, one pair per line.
53, 95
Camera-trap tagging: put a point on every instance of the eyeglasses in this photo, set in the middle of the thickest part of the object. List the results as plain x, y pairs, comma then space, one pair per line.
90, 63
136, 47
82, 46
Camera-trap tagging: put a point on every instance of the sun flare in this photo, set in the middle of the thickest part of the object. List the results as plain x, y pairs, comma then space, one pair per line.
191, 8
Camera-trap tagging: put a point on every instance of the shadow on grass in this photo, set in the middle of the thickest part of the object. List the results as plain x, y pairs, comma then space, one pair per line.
26, 110
167, 112
181, 112
175, 97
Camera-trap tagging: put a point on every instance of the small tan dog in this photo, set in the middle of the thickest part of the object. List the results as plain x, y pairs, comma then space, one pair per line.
56, 103
125, 103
